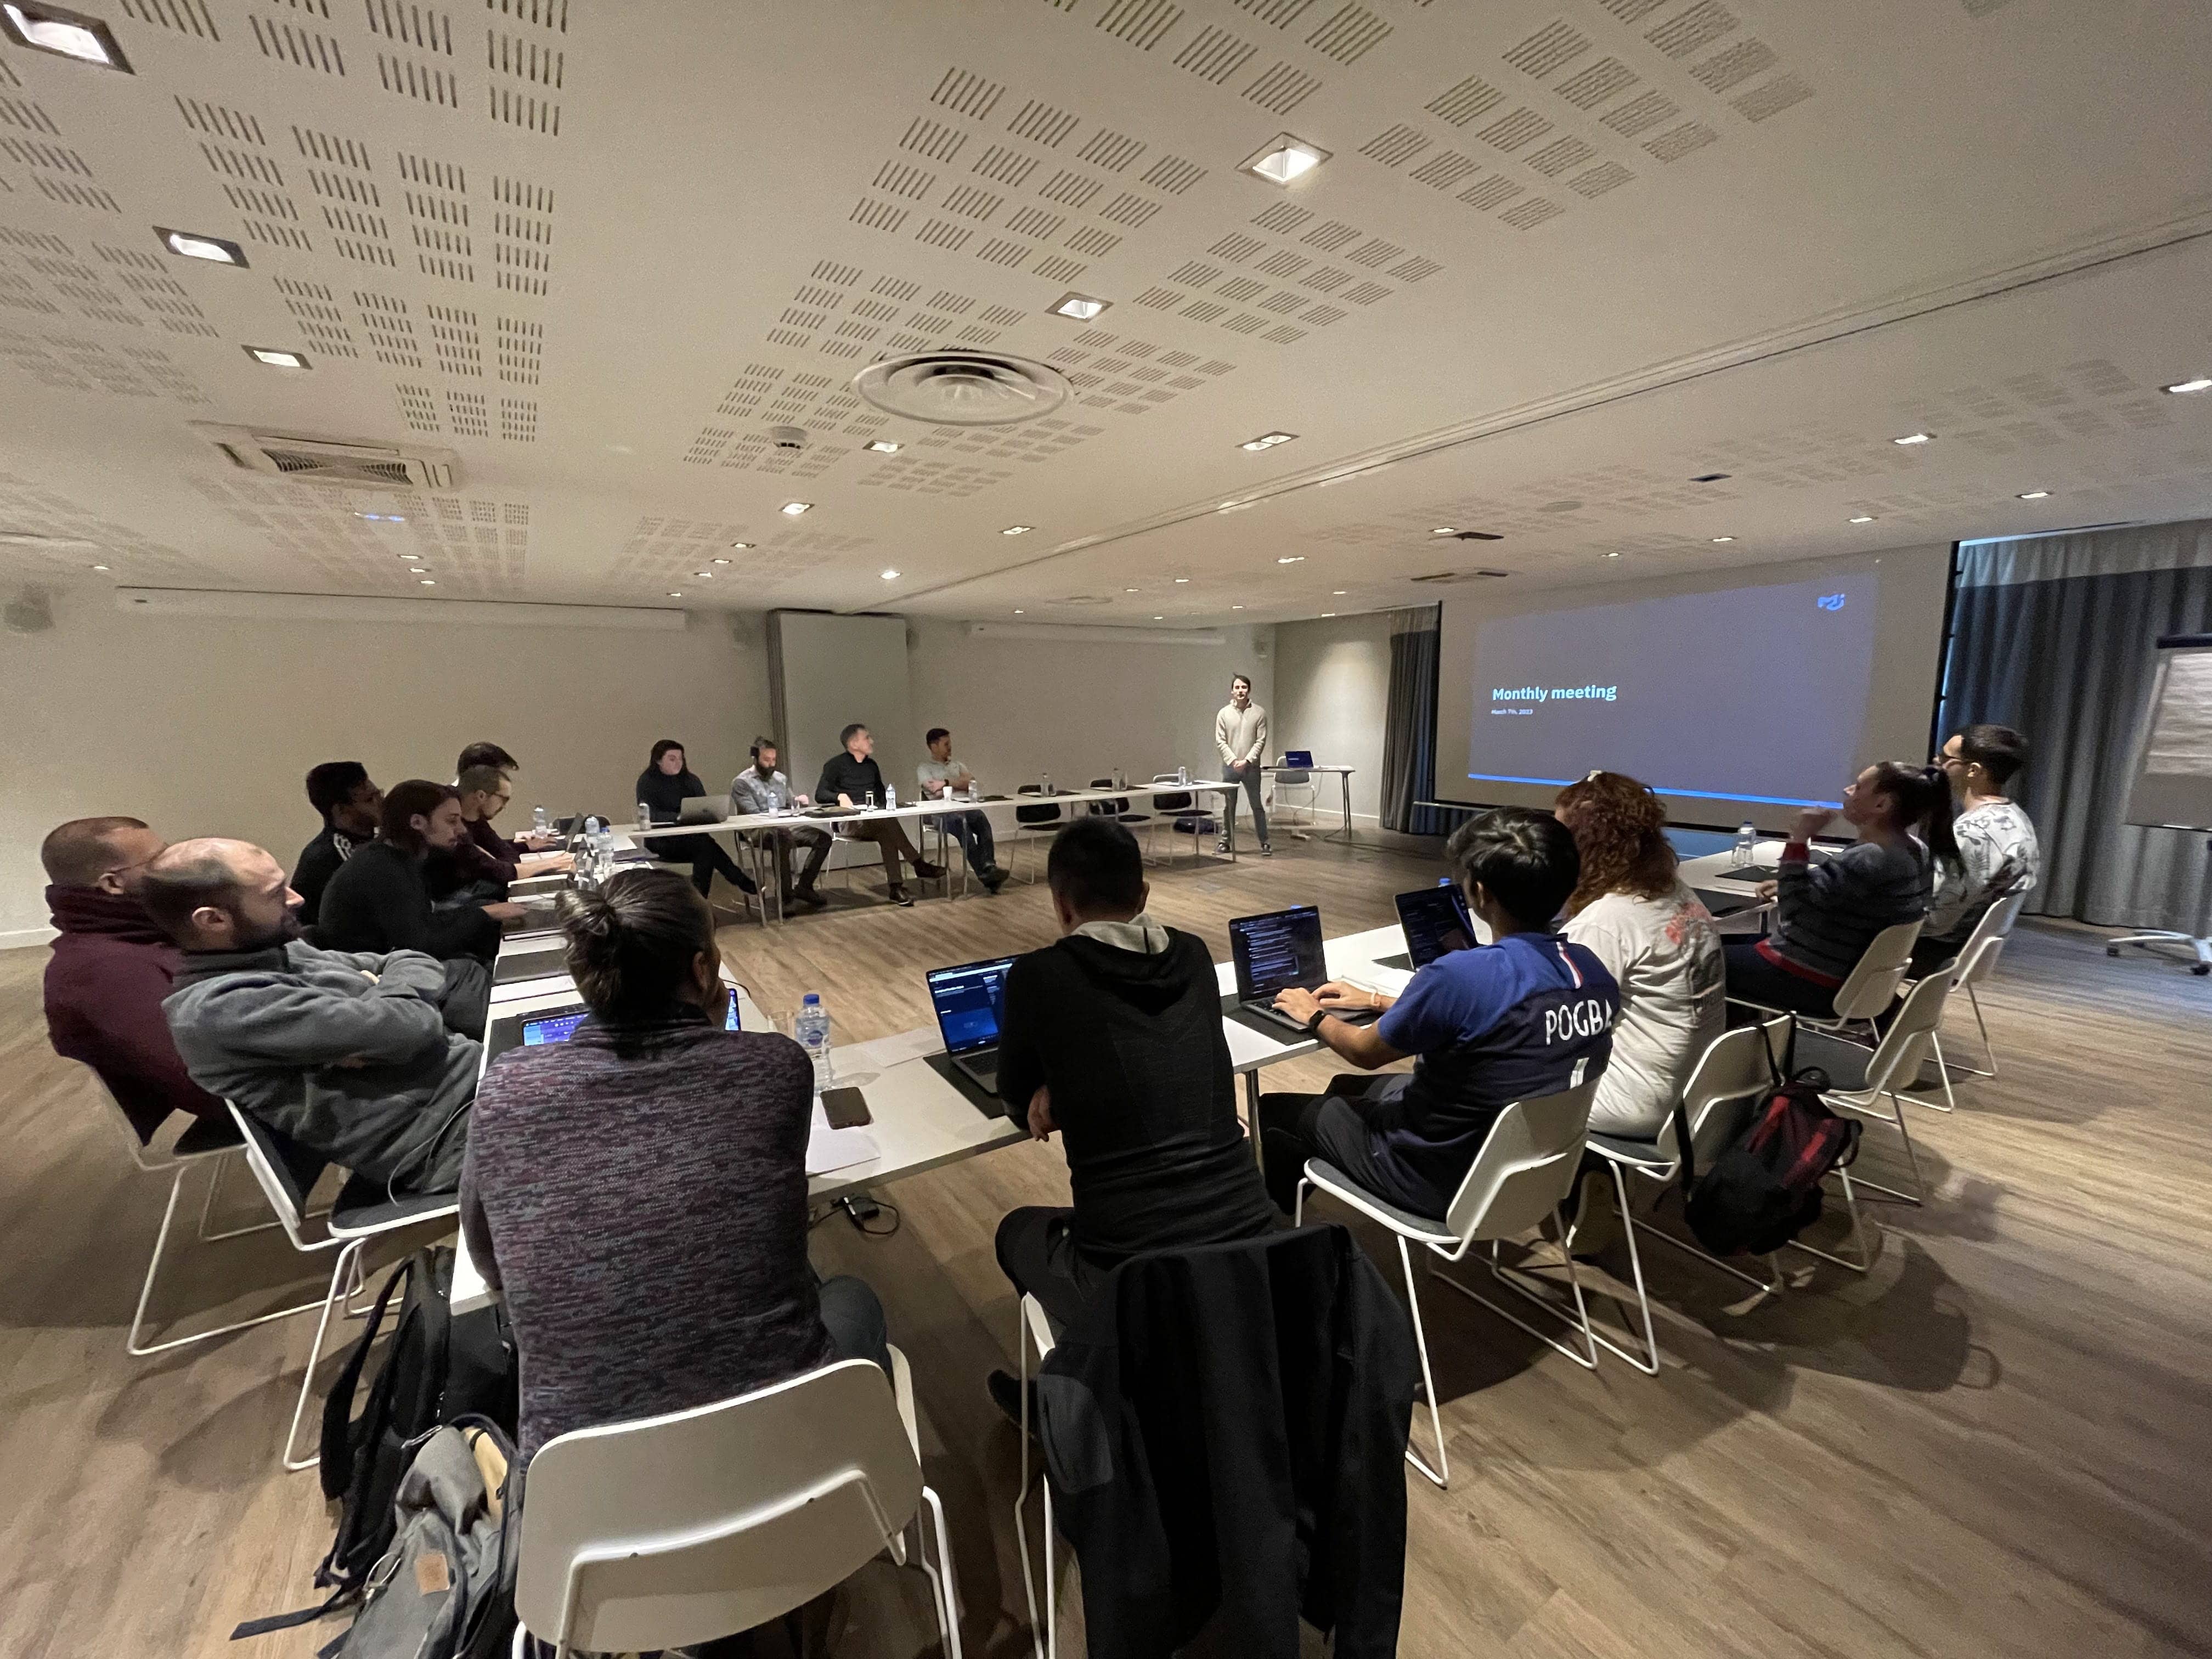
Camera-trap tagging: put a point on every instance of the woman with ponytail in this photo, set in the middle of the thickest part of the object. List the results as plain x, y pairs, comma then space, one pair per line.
638, 1192
1826, 915
1638, 917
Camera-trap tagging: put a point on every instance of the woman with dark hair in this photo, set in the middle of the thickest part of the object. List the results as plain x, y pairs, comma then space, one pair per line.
1826, 915
638, 1193
665, 785
1639, 918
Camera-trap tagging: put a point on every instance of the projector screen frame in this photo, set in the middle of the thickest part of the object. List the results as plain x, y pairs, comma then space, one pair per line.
1911, 649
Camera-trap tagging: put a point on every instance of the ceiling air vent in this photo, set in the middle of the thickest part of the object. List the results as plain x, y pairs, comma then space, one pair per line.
961, 388
349, 463
1461, 575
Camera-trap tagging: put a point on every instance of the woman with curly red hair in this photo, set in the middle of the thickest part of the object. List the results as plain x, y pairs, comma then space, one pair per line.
1638, 917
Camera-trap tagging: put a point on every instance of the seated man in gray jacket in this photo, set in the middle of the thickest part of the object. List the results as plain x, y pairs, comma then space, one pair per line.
348, 1056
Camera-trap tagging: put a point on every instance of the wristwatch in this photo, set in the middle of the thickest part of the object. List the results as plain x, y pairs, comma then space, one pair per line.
1313, 1025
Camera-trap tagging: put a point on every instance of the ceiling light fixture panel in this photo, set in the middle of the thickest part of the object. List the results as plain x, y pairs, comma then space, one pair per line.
274, 358
792, 509
1268, 440
883, 446
1912, 438
1082, 307
1283, 159
192, 245
64, 33
1864, 518
2189, 388
1018, 530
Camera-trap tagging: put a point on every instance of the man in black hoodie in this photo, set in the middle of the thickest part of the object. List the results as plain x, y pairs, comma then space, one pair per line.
1113, 1036
350, 804
378, 900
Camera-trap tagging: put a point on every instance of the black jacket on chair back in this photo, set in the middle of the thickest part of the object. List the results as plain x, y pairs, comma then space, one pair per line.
1224, 1431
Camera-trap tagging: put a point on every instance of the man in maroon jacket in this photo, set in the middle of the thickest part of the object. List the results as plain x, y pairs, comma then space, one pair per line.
111, 969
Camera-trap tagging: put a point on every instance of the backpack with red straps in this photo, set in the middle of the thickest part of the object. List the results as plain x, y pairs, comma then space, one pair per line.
1765, 1188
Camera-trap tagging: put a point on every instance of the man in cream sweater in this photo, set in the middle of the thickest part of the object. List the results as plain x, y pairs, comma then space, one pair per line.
1240, 732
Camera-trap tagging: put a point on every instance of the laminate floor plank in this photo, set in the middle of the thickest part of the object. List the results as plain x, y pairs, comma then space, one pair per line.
1996, 1443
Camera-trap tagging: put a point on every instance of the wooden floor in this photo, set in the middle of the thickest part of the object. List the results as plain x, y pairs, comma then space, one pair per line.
1999, 1442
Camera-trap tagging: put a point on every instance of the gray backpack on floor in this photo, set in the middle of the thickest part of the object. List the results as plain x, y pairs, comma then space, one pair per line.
445, 1587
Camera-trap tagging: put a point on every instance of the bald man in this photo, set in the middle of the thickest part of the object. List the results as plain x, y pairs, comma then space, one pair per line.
111, 968
346, 1056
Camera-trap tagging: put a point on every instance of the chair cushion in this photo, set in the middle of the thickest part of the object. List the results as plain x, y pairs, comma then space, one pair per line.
362, 1207
1423, 1228
207, 1134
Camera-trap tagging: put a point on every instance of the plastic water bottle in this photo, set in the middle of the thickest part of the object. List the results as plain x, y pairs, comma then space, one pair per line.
890, 797
811, 1028
1183, 774
1044, 783
539, 824
1747, 848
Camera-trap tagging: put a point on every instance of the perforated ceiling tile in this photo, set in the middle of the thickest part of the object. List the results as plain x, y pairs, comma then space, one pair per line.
1550, 49
1139, 23
1349, 34
1783, 92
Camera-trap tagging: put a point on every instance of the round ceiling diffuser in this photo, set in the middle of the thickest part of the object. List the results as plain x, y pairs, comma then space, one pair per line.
962, 388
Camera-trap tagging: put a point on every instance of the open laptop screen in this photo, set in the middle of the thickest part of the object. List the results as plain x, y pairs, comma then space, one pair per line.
1436, 923
559, 1025
968, 1000
1298, 760
1280, 949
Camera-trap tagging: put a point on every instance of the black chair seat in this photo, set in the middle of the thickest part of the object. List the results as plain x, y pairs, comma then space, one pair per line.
207, 1134
1626, 1149
363, 1206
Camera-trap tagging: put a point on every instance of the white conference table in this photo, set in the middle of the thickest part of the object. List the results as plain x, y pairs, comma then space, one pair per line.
919, 1121
1343, 777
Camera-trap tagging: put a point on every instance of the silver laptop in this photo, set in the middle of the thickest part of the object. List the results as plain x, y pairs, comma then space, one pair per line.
704, 809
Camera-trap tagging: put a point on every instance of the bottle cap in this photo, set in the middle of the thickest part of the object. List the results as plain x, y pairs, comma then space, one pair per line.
810, 998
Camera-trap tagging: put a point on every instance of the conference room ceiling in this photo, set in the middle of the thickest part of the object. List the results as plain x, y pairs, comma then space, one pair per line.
1564, 256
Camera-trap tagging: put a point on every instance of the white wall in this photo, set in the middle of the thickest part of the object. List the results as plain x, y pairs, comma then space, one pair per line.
1333, 696
1078, 708
207, 727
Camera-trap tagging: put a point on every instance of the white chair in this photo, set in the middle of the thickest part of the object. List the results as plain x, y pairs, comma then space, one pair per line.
1870, 986
1737, 1066
675, 1530
1976, 961
361, 1212
1038, 1335
1895, 1062
1527, 1163
204, 1141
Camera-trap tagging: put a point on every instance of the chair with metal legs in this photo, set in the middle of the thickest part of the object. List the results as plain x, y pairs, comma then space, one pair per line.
1039, 1335
1036, 824
361, 1213
1891, 1069
1976, 961
1868, 990
205, 1140
671, 1531
1179, 811
1733, 1069
1520, 1176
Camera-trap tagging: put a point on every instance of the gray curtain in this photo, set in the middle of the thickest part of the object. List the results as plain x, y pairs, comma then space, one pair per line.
1409, 734
2055, 635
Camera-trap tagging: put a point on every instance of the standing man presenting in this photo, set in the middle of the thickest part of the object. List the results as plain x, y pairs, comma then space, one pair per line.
1240, 732
940, 773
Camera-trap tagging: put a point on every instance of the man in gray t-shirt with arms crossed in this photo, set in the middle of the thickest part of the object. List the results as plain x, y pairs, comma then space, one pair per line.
1240, 732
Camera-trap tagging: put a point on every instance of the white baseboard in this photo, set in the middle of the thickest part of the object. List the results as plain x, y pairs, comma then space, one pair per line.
21, 938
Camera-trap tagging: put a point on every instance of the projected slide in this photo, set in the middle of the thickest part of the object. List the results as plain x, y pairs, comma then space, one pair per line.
1756, 695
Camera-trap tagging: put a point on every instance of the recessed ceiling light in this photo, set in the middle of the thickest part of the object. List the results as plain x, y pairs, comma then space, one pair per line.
890, 575
2034, 494
675, 596
65, 33
720, 561
1709, 478
1235, 607
275, 359
1159, 619
1080, 307
1445, 529
1018, 530
1611, 556
2189, 388
1340, 593
1283, 159
382, 518
792, 509
426, 582
1019, 613
707, 574
1182, 582
193, 245
1268, 440
411, 558
1864, 518
1291, 558
883, 446
739, 547
1915, 437
1128, 590
99, 566
1724, 539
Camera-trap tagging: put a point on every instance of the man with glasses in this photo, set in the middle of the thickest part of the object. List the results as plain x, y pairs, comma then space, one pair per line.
1998, 853
112, 966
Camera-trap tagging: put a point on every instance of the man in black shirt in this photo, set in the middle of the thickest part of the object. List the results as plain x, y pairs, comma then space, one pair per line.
350, 804
852, 778
1113, 1036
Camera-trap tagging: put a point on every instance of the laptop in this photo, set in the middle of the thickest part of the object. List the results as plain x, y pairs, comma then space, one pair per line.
1298, 760
538, 917
968, 1000
557, 1024
704, 809
514, 966
1436, 922
1274, 952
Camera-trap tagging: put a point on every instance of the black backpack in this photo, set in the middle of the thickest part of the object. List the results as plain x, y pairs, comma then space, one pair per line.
1765, 1188
439, 1368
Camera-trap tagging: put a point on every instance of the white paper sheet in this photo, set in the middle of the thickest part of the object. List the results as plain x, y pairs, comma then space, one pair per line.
828, 1149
